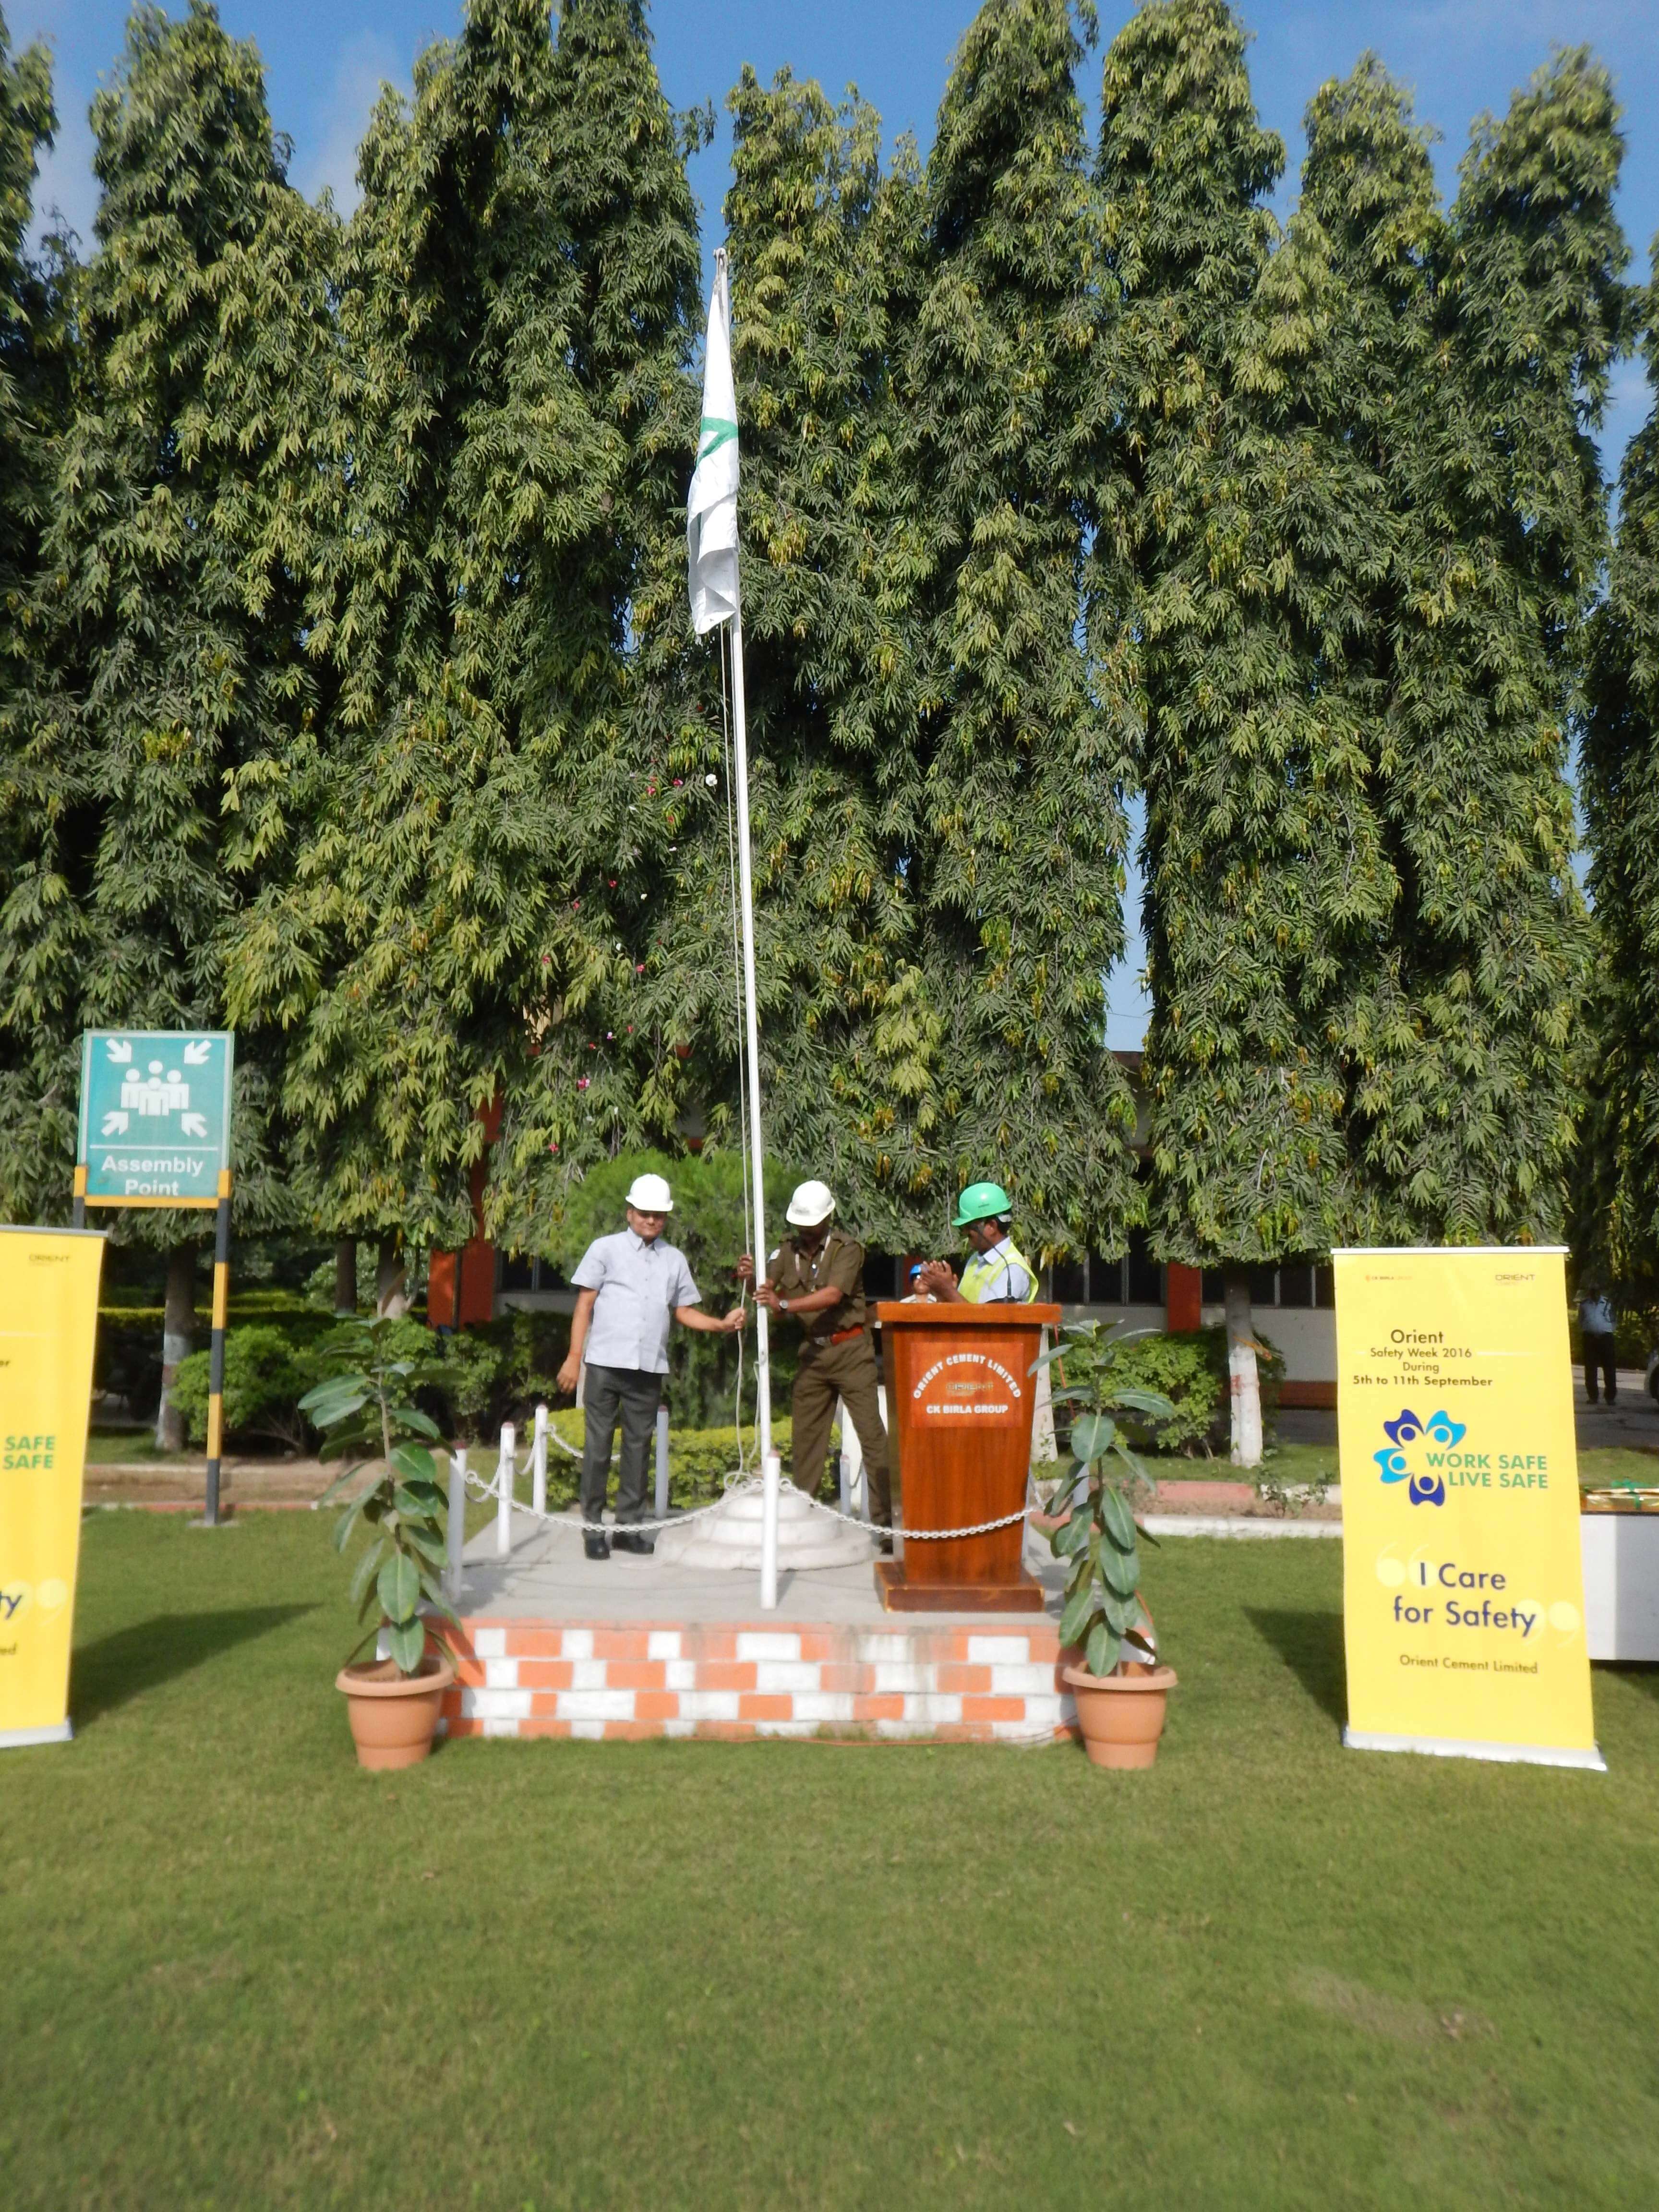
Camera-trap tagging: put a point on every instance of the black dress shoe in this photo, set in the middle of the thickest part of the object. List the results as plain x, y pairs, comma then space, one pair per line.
596, 1546
885, 1542
630, 1541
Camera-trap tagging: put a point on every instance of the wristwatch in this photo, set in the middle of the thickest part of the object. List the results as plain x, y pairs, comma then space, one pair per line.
783, 1305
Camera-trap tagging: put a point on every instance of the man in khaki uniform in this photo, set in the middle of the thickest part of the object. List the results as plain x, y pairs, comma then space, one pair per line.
816, 1277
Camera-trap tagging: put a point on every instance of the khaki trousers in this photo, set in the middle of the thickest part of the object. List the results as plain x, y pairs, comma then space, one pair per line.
847, 1370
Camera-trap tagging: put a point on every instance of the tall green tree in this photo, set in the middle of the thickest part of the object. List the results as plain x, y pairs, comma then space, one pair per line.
465, 888
1017, 857
1618, 1180
33, 354
820, 246
166, 618
1462, 1096
33, 373
1220, 586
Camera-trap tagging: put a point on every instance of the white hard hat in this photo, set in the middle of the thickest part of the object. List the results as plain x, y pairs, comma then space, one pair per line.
649, 1194
812, 1202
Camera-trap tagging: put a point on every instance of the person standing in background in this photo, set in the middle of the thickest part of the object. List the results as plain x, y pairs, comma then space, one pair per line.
1595, 1331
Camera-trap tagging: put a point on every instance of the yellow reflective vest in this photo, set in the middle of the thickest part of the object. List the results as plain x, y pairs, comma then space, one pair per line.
984, 1278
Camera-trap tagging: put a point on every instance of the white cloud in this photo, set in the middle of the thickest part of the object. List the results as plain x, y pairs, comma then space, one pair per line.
327, 156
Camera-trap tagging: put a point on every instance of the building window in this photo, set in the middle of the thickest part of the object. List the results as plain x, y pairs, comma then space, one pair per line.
881, 1276
517, 1271
1068, 1282
1145, 1285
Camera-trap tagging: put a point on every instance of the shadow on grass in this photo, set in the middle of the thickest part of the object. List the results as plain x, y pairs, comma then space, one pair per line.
106, 1674
1310, 1644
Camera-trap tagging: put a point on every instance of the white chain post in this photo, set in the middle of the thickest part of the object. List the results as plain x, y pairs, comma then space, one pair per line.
457, 1530
504, 1495
538, 1464
845, 1462
662, 1463
768, 1589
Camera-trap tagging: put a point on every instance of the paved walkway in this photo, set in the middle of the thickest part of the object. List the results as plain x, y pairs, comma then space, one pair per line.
1632, 1422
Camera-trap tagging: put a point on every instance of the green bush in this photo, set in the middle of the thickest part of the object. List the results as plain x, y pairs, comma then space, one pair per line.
1189, 1368
266, 1375
699, 1460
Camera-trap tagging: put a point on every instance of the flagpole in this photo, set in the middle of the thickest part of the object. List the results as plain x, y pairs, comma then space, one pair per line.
769, 1465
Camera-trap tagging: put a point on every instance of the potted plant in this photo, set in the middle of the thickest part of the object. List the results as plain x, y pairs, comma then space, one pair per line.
1120, 1687
393, 1702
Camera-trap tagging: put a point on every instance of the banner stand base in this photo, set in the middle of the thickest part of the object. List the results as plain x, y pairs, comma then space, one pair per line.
1449, 1747
18, 1739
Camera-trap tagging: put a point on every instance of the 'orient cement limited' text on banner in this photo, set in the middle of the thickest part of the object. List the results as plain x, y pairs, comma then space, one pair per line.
48, 1324
1463, 1603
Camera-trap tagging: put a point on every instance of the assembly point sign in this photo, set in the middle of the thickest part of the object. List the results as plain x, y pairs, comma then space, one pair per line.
154, 1116
1463, 1596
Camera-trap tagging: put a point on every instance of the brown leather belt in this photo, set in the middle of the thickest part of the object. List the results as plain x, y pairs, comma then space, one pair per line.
842, 1335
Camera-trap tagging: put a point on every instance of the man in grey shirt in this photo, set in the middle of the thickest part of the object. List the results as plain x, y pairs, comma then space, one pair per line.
627, 1286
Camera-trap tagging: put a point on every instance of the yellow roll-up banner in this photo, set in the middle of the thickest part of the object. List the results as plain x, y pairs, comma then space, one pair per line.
48, 1329
1463, 1599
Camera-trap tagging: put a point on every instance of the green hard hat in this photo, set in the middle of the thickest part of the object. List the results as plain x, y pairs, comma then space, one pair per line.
981, 1201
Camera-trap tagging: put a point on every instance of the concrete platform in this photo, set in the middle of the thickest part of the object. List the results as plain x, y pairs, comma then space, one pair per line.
556, 1644
548, 1578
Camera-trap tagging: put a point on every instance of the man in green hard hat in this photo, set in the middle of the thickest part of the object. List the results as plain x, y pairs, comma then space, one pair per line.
998, 1272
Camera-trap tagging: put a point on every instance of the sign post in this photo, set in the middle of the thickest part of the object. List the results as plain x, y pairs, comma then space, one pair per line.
156, 1131
1463, 1600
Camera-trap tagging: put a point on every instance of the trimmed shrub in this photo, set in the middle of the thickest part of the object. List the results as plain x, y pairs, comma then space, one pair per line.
266, 1375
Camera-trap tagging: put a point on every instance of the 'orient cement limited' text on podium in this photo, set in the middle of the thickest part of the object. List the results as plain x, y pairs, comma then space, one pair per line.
960, 1397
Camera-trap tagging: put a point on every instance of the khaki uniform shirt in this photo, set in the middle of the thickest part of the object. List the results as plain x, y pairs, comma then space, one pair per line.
839, 1259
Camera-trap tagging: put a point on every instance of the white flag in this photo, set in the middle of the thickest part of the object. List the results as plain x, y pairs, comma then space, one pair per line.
711, 506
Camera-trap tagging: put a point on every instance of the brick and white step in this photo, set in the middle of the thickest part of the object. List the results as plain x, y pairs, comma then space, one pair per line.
983, 1683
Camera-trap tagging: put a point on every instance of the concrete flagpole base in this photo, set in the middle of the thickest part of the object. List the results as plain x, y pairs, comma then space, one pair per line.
732, 1537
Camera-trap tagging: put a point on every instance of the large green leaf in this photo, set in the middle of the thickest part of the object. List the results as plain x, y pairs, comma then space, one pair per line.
1137, 1400
399, 1587
1101, 1654
1121, 1569
414, 1462
365, 1572
411, 1417
332, 1401
427, 1542
1074, 1537
1092, 1434
1120, 1522
1079, 1607
1121, 1613
406, 1641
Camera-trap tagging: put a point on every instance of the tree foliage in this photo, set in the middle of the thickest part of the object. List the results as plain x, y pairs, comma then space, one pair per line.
165, 607
1617, 1184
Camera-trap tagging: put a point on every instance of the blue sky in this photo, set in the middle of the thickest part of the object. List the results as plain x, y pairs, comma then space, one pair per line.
325, 60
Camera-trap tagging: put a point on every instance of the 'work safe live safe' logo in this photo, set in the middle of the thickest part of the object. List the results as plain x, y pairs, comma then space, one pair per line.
1418, 1453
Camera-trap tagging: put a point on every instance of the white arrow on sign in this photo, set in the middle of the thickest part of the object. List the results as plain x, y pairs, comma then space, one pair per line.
115, 1124
192, 1125
119, 1050
196, 1053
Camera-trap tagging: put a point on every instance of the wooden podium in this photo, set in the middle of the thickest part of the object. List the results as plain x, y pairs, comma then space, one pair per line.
960, 1396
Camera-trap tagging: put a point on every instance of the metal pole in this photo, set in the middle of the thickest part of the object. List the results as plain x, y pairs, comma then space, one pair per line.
746, 889
662, 1463
539, 1463
504, 1493
217, 1360
457, 1529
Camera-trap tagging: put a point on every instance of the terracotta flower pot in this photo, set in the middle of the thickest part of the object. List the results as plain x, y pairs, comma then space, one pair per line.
394, 1716
1121, 1716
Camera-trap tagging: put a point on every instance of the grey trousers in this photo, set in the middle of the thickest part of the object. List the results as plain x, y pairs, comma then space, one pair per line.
607, 1393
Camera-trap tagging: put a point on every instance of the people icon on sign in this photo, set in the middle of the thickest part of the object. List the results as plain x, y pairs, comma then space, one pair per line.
162, 1092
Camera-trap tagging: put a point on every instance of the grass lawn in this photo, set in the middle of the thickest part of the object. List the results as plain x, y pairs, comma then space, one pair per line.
240, 1973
